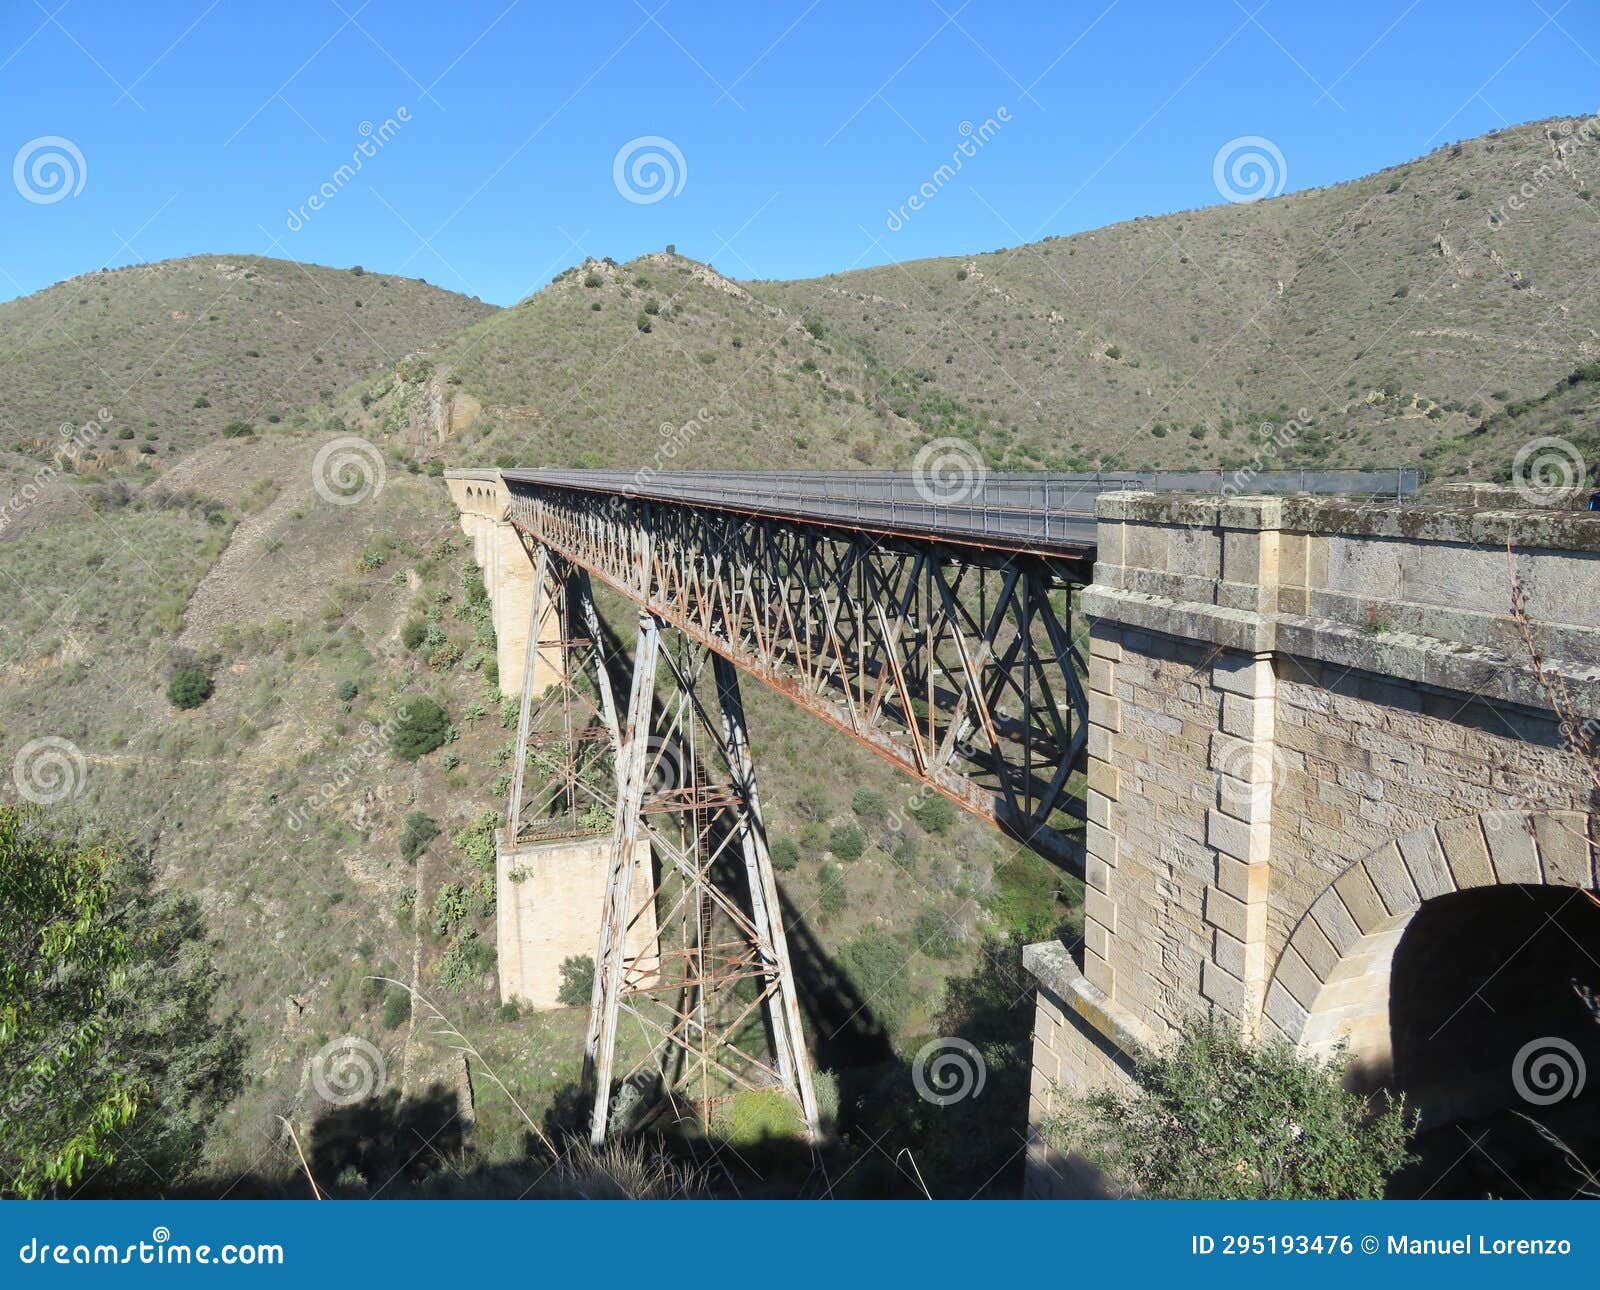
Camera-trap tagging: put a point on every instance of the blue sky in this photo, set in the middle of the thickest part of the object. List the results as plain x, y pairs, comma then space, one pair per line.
801, 125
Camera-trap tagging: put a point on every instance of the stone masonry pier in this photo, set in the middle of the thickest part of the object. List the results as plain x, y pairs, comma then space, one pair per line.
1309, 721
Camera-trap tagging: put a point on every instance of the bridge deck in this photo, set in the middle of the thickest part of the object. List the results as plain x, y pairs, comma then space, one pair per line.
1047, 512
1032, 511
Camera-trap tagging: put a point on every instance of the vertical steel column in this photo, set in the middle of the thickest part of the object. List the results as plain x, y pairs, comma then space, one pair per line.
601, 1044
788, 1039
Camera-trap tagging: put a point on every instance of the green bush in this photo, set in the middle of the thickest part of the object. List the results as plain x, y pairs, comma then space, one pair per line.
450, 908
414, 633
189, 687
934, 813
577, 981
785, 854
347, 690
421, 727
831, 895
477, 840
846, 841
869, 804
1217, 1117
419, 829
876, 964
934, 935
396, 1007
236, 430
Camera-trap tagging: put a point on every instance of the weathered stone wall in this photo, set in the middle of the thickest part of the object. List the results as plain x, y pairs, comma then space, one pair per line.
1286, 695
508, 573
549, 897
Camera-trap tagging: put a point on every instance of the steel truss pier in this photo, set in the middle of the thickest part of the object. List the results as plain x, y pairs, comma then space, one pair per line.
692, 973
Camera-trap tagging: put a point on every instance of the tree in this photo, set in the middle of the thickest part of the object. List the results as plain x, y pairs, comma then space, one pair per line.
577, 981
112, 1066
189, 687
1217, 1117
421, 727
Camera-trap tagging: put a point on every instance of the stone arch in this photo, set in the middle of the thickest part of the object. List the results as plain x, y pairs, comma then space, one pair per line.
1331, 983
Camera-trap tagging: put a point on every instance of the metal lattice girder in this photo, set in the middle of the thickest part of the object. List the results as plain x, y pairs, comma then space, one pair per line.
710, 1008
953, 661
567, 736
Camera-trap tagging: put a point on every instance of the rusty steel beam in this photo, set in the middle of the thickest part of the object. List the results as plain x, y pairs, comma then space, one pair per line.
951, 660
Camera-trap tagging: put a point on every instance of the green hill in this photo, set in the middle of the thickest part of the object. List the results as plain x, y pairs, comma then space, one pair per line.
176, 351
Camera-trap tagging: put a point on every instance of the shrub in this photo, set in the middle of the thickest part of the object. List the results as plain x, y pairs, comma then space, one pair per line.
189, 688
450, 908
831, 895
785, 854
577, 981
935, 937
846, 841
422, 726
935, 814
869, 804
414, 633
419, 829
592, 280
477, 840
876, 963
1218, 1117
236, 430
347, 690
396, 1007
643, 321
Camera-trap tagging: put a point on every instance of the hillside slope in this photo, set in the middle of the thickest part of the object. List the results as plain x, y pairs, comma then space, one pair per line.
1398, 309
177, 350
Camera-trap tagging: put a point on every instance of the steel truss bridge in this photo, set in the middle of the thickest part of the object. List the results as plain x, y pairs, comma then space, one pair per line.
928, 617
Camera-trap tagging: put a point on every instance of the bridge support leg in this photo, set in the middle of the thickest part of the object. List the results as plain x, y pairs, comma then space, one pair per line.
553, 854
712, 1013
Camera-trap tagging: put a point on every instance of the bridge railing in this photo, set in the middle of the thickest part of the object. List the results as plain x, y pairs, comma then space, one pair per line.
1026, 508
